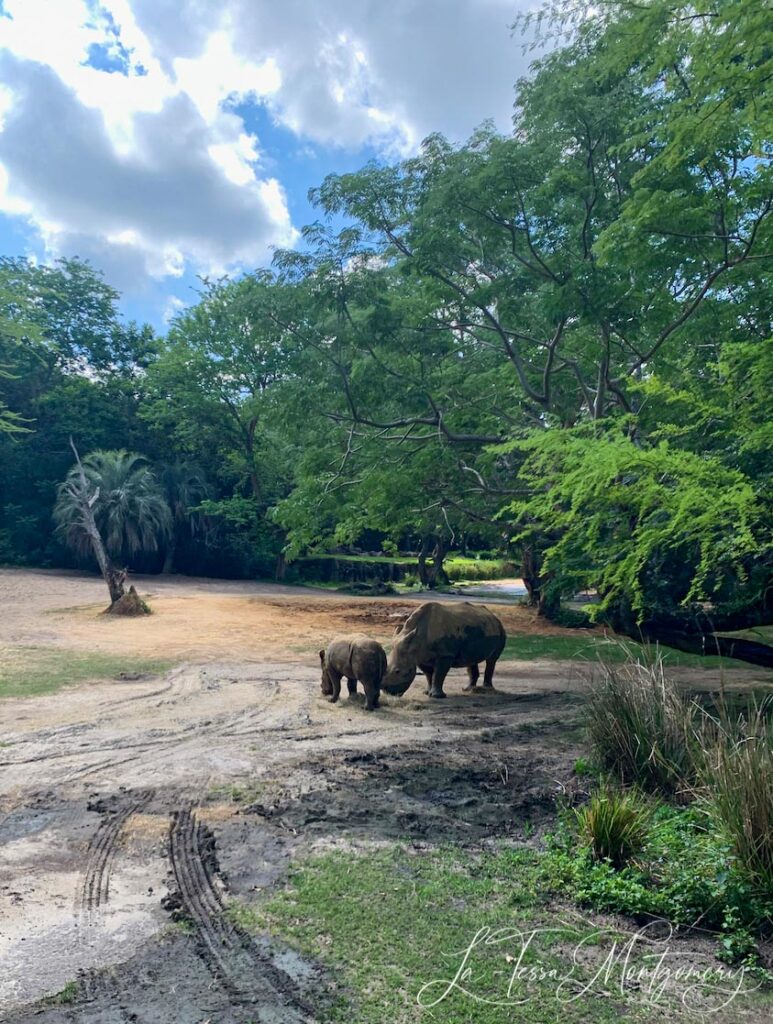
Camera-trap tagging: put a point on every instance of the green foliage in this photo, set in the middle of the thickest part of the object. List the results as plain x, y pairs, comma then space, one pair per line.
478, 570
614, 825
130, 509
685, 873
67, 995
640, 727
627, 515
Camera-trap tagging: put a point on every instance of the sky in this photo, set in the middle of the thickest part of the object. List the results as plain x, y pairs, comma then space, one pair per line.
164, 140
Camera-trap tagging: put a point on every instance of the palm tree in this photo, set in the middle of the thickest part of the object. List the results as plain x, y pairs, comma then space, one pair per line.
129, 508
185, 487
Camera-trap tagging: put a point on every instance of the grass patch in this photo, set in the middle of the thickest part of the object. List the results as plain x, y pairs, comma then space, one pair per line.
34, 671
737, 773
65, 997
392, 928
598, 648
232, 793
388, 923
762, 634
475, 570
614, 825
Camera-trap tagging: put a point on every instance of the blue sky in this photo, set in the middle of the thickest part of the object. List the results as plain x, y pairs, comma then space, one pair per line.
168, 139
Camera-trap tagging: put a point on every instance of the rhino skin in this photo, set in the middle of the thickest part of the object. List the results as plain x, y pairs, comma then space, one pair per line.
438, 637
358, 658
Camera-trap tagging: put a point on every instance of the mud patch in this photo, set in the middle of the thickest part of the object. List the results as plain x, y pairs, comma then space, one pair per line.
478, 789
162, 983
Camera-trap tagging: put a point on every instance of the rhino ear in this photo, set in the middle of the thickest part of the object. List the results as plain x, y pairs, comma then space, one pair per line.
322, 657
407, 637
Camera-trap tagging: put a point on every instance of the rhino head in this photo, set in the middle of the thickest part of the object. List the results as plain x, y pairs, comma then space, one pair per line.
327, 686
401, 667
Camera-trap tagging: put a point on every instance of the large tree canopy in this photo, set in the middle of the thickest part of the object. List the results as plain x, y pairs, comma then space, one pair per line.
556, 342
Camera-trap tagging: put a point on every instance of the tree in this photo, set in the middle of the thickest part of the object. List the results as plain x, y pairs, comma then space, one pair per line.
124, 500
184, 487
539, 280
72, 368
213, 394
75, 515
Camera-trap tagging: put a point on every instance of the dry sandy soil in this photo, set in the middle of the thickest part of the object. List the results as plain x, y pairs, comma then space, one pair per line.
116, 796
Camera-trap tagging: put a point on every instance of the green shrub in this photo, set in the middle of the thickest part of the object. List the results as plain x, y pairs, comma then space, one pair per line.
685, 872
640, 726
614, 825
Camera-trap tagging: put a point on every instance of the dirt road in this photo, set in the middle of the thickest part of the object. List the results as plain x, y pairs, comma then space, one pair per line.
133, 810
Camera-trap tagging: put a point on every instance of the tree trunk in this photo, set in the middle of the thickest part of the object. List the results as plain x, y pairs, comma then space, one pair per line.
424, 574
281, 566
547, 604
439, 575
171, 550
530, 563
113, 577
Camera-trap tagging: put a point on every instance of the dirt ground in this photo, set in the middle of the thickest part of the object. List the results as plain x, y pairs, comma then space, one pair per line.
127, 804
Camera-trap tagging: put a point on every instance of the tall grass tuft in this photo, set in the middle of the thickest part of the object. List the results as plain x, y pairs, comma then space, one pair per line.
641, 727
614, 824
736, 771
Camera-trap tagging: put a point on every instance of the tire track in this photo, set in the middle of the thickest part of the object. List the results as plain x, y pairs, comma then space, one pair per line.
243, 972
99, 859
95, 888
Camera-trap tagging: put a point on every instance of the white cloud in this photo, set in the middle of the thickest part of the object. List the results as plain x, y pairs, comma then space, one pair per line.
145, 172
173, 306
352, 72
148, 169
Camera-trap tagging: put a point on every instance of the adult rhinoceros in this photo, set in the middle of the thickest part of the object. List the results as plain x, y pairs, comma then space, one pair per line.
438, 637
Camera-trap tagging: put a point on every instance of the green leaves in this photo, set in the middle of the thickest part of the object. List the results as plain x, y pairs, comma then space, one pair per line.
625, 513
129, 507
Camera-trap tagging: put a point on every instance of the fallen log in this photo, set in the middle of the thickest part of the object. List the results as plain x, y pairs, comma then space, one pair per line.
740, 648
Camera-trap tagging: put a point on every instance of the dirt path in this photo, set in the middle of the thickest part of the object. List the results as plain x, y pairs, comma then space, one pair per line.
132, 811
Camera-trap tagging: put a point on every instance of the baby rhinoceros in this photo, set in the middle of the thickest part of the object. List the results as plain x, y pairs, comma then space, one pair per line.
360, 660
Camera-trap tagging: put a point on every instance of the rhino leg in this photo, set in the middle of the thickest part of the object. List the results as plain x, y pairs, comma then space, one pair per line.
351, 686
427, 670
488, 675
442, 667
335, 682
473, 672
371, 695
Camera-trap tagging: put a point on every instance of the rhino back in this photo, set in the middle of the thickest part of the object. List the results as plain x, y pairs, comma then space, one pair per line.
368, 660
464, 632
339, 655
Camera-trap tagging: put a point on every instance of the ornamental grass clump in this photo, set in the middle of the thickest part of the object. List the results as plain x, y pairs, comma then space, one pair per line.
736, 773
641, 727
614, 824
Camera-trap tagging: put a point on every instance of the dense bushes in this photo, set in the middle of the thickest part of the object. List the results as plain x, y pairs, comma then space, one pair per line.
709, 864
686, 872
